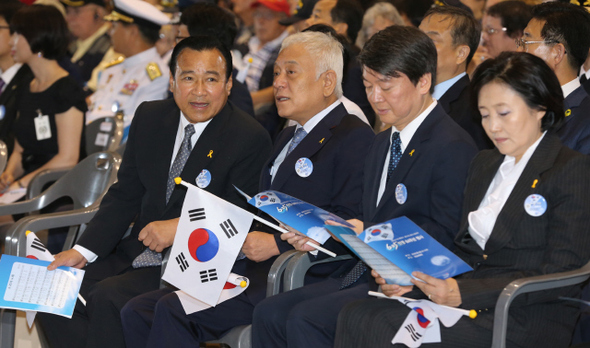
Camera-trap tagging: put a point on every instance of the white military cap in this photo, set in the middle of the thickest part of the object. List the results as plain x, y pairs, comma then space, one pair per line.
138, 12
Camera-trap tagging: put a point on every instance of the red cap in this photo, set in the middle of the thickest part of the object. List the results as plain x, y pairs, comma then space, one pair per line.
275, 5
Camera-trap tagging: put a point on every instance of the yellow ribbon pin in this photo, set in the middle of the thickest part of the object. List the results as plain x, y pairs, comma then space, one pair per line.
210, 155
412, 152
568, 112
321, 141
535, 183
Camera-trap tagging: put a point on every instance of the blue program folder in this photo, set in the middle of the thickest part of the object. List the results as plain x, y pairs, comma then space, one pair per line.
25, 284
302, 216
398, 247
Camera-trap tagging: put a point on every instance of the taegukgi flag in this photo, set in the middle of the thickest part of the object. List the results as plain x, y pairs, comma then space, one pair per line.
35, 250
209, 237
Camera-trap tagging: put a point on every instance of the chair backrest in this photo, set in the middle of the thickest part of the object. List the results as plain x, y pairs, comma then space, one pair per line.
104, 134
88, 181
3, 156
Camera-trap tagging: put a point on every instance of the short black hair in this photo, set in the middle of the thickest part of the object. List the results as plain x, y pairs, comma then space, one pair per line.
465, 28
45, 29
201, 43
514, 15
351, 13
413, 9
8, 10
566, 24
149, 33
400, 49
530, 77
208, 19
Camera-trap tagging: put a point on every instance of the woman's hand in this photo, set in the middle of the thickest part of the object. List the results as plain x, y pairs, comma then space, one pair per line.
444, 292
391, 289
6, 179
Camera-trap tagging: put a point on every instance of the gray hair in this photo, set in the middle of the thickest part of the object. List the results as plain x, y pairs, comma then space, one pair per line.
326, 52
380, 9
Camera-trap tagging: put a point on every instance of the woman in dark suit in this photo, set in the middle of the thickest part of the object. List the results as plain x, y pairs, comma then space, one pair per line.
526, 212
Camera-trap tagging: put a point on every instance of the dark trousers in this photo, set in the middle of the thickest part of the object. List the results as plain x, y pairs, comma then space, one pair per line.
374, 322
304, 317
98, 324
157, 319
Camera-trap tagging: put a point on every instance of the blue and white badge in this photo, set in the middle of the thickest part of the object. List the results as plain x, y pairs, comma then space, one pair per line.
304, 167
2, 112
203, 179
535, 205
401, 193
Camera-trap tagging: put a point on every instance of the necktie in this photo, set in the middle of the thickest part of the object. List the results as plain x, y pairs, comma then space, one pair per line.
2, 83
360, 268
148, 257
300, 133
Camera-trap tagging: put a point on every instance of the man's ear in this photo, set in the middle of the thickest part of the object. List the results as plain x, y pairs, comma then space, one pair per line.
229, 84
330, 82
341, 28
424, 83
171, 84
461, 54
558, 54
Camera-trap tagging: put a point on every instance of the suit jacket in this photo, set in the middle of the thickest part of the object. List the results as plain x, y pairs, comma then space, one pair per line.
9, 99
433, 168
336, 146
575, 132
521, 245
239, 148
457, 104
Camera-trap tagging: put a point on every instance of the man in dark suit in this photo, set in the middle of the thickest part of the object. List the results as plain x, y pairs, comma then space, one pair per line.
455, 33
307, 86
560, 35
208, 19
200, 128
13, 77
425, 157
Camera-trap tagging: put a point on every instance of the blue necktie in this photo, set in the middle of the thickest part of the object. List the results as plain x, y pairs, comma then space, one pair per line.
300, 133
395, 155
148, 257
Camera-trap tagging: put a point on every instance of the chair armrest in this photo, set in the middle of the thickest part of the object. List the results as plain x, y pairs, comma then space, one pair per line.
273, 281
527, 285
15, 242
43, 178
298, 266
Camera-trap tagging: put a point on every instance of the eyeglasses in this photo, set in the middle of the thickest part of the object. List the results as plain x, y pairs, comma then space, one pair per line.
492, 31
521, 43
4, 27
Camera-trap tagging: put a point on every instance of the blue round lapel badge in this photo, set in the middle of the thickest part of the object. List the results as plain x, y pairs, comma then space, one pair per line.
401, 193
2, 112
203, 179
535, 205
304, 167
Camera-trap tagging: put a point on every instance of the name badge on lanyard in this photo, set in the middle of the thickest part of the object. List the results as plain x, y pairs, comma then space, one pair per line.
42, 127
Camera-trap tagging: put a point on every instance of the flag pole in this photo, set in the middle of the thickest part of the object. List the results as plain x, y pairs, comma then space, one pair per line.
179, 181
468, 313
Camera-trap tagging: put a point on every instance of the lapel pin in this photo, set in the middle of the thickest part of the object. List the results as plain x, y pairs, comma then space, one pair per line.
412, 152
568, 112
321, 141
210, 155
535, 183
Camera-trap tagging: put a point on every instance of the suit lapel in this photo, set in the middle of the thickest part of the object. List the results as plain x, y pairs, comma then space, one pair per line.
373, 174
453, 93
14, 83
543, 159
572, 102
309, 146
282, 140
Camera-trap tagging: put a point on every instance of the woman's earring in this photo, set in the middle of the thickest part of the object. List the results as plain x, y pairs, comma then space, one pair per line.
40, 54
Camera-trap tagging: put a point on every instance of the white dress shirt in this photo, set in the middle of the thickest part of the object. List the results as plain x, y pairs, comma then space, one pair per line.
569, 87
482, 220
405, 136
199, 128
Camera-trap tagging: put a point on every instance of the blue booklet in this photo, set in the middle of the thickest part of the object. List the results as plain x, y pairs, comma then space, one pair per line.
295, 213
398, 247
26, 284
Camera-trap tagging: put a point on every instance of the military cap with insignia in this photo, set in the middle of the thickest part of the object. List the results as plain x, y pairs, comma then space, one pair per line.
137, 12
80, 3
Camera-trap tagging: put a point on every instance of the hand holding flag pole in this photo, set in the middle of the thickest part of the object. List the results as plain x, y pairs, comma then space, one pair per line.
179, 181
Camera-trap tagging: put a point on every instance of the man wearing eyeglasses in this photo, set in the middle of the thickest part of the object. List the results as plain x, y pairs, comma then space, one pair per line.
502, 24
12, 76
560, 34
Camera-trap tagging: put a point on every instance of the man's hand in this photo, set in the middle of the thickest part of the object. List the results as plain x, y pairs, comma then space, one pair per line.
71, 258
158, 235
298, 241
442, 291
358, 225
260, 246
390, 289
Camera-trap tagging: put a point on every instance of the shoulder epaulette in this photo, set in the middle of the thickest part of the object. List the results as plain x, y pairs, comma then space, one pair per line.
153, 70
115, 62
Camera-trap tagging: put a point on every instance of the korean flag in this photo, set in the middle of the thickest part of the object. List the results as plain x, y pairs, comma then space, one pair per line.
37, 251
209, 237
266, 198
378, 233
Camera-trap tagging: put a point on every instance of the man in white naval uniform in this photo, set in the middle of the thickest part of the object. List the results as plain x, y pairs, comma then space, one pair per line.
142, 75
